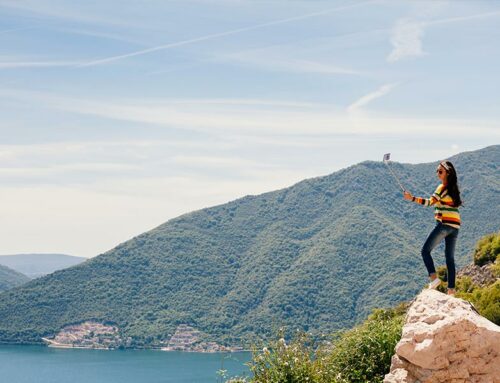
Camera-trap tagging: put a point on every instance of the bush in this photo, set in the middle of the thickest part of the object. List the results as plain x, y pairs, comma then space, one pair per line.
362, 354
486, 300
496, 268
465, 285
282, 362
487, 249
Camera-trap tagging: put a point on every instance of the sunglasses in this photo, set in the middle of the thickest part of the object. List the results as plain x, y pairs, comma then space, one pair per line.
439, 171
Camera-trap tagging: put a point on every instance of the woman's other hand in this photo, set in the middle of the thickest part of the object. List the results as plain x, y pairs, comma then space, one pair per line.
407, 195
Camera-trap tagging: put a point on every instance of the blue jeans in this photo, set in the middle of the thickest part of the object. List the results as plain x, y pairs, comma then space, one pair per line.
449, 234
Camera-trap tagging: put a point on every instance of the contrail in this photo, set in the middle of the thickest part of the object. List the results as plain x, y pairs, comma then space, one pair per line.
220, 34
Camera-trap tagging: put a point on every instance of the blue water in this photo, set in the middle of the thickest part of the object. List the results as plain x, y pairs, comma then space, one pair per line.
40, 364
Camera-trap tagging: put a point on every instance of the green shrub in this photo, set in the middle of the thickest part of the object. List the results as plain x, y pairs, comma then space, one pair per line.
486, 300
465, 286
495, 268
363, 354
487, 249
282, 362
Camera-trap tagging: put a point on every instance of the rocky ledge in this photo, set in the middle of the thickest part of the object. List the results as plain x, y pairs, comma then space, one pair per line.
445, 340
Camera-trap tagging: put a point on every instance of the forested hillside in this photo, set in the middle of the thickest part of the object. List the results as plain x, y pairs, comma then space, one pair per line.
10, 278
318, 255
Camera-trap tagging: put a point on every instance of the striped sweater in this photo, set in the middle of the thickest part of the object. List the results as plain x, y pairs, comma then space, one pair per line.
444, 207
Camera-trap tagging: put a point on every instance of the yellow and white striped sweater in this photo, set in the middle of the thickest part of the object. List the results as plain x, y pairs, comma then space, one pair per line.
444, 207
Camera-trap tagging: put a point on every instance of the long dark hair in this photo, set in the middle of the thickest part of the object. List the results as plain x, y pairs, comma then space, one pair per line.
452, 183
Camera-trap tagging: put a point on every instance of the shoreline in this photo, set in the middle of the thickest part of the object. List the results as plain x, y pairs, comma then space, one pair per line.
53, 344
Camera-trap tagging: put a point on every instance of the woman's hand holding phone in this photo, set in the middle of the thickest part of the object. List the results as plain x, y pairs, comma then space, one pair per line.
407, 195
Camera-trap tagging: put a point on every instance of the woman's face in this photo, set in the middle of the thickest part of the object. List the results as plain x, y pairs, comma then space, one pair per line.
441, 173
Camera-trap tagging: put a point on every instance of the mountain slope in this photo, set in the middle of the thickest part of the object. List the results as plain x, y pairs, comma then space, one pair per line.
36, 265
328, 247
10, 278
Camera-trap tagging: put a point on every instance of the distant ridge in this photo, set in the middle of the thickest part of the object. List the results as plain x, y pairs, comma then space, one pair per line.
35, 265
318, 255
10, 278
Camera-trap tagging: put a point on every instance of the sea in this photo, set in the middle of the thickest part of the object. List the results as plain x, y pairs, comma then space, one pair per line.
42, 364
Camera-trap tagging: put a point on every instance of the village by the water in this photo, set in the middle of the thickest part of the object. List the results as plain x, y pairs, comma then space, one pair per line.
97, 335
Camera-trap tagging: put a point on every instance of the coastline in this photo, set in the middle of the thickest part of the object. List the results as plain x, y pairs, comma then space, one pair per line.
54, 344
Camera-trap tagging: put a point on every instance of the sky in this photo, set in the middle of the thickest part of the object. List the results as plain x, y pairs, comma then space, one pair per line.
117, 115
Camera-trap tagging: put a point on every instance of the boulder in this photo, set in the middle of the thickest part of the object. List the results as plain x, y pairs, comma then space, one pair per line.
444, 339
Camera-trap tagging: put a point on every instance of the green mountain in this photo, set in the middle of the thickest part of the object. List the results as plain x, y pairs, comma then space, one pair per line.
36, 265
318, 255
10, 278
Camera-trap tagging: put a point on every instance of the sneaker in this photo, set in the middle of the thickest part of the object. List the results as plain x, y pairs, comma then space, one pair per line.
435, 283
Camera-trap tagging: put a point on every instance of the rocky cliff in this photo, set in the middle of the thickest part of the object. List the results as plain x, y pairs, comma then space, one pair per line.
445, 340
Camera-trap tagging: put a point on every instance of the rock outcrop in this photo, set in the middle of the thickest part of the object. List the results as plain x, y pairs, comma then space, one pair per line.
480, 275
445, 340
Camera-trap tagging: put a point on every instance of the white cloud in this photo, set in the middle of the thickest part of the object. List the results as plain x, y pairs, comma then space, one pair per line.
380, 92
240, 118
407, 33
406, 39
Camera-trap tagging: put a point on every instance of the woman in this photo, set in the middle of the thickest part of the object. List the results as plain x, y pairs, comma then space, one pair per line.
446, 200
